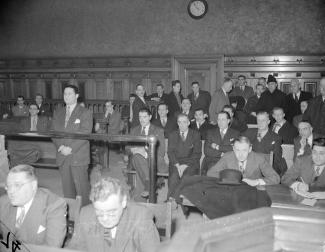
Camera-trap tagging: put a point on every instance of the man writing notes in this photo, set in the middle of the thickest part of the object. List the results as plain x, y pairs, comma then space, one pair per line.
73, 155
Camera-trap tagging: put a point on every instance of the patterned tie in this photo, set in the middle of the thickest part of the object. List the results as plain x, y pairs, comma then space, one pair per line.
67, 116
183, 136
108, 236
20, 218
276, 127
259, 137
241, 166
196, 96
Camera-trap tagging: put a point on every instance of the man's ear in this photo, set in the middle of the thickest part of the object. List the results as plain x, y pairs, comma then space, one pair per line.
124, 201
250, 149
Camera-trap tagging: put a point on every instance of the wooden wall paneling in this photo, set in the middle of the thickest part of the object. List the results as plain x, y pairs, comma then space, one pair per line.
48, 89
125, 89
101, 89
56, 89
109, 89
117, 87
146, 82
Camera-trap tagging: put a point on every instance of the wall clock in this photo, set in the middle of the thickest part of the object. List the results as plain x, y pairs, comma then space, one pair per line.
197, 8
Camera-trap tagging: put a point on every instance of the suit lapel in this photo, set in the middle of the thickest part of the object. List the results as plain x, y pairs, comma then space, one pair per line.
124, 231
73, 115
12, 212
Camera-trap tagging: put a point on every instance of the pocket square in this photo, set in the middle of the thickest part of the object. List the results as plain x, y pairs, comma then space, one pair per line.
40, 229
77, 121
273, 142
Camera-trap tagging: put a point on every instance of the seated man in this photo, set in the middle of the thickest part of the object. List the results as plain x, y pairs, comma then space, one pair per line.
35, 215
219, 141
168, 123
112, 223
43, 109
186, 109
139, 157
184, 153
282, 127
201, 123
34, 122
112, 119
255, 167
20, 109
265, 140
234, 124
308, 172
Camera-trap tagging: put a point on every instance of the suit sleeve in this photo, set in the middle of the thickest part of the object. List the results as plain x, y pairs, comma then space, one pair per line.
115, 122
57, 141
269, 174
279, 163
293, 173
197, 151
161, 139
172, 147
208, 151
217, 168
213, 108
78, 240
56, 223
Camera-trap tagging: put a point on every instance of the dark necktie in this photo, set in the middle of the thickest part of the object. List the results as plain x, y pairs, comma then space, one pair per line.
296, 98
108, 236
241, 166
143, 132
317, 173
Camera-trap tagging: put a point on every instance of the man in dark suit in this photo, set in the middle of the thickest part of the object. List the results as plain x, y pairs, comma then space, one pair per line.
282, 127
174, 98
44, 109
34, 122
242, 89
272, 97
250, 106
200, 123
184, 153
199, 98
315, 112
255, 167
168, 123
266, 141
73, 156
160, 96
219, 100
34, 215
138, 104
139, 158
112, 223
294, 99
186, 109
112, 118
234, 122
219, 141
308, 172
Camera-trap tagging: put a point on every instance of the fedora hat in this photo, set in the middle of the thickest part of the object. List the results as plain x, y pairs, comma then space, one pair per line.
230, 176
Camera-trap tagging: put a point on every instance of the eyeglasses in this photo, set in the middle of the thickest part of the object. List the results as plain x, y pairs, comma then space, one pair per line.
16, 186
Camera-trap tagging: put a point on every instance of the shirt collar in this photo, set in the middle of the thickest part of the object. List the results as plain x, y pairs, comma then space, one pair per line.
72, 106
26, 207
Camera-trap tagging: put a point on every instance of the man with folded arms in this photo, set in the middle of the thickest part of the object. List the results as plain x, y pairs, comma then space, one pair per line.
34, 215
255, 167
308, 172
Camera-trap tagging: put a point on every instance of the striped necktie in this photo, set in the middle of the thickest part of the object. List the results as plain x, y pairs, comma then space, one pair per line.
20, 218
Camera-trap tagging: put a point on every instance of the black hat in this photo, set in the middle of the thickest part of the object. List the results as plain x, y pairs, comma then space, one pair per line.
230, 176
271, 78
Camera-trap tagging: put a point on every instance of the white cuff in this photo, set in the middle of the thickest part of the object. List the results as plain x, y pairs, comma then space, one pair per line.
261, 182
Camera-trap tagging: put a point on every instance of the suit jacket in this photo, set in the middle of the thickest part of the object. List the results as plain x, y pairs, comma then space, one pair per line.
172, 103
292, 107
269, 100
44, 223
17, 111
270, 142
171, 125
203, 128
155, 95
307, 149
247, 93
136, 231
287, 132
80, 121
217, 199
203, 101
257, 167
296, 120
225, 144
137, 105
315, 114
303, 168
251, 103
41, 126
235, 124
219, 100
113, 122
184, 152
44, 110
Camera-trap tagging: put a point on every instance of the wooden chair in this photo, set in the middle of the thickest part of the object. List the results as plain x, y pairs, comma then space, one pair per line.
73, 212
288, 153
162, 213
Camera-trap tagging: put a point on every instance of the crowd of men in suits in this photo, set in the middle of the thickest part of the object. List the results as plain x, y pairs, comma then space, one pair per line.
182, 125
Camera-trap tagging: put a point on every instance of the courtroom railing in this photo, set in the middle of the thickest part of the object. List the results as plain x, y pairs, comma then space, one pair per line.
150, 140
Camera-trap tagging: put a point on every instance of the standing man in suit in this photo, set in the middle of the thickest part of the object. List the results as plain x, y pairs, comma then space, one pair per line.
282, 127
160, 95
200, 123
168, 123
138, 104
294, 99
184, 153
308, 172
44, 109
139, 158
199, 98
219, 100
113, 223
112, 118
34, 122
73, 155
315, 112
242, 89
219, 141
20, 109
250, 106
174, 98
264, 140
256, 169
34, 215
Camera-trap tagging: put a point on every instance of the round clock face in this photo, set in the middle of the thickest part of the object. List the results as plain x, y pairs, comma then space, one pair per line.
197, 8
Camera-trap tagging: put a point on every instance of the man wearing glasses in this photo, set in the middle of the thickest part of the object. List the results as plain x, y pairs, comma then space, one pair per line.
31, 214
111, 223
